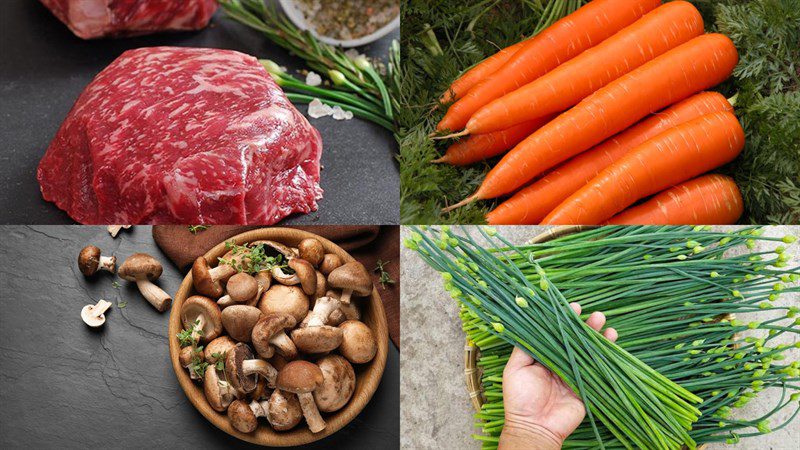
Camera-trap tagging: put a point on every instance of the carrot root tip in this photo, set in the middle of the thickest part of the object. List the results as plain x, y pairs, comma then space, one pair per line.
450, 136
464, 202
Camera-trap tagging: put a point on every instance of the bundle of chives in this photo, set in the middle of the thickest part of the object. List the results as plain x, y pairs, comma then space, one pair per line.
684, 336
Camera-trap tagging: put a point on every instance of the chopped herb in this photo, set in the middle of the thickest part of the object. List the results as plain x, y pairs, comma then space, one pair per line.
198, 364
194, 229
122, 304
115, 284
190, 336
385, 278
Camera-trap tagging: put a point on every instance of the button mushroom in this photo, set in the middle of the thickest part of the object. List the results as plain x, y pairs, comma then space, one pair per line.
283, 410
322, 286
268, 336
90, 261
239, 320
330, 262
144, 269
201, 315
351, 278
218, 392
306, 274
242, 288
321, 312
311, 250
264, 280
114, 230
358, 343
94, 315
285, 299
242, 369
244, 417
339, 382
302, 378
207, 281
319, 339
191, 358
218, 347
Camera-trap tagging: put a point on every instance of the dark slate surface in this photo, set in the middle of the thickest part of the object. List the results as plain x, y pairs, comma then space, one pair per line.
66, 385
45, 68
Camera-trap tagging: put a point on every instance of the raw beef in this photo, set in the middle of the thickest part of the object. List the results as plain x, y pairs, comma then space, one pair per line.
90, 19
183, 135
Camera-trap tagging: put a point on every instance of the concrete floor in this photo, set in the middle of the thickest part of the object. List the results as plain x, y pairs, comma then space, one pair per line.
435, 408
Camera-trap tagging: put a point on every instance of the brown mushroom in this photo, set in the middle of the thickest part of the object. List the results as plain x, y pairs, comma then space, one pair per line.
90, 261
336, 317
144, 269
244, 417
242, 288
322, 286
189, 357
277, 246
264, 280
239, 320
311, 250
94, 315
285, 299
302, 378
201, 315
219, 347
319, 339
353, 279
242, 369
358, 343
339, 382
207, 281
114, 230
283, 277
218, 392
283, 410
261, 392
330, 262
268, 335
278, 361
321, 312
306, 275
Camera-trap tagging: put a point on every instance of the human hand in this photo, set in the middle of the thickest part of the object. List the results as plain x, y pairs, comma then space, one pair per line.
539, 406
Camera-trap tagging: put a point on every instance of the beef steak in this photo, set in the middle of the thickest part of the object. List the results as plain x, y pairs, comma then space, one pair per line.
183, 135
90, 19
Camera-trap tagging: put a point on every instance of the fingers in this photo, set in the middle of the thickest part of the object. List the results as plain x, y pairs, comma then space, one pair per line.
576, 307
518, 360
596, 320
611, 334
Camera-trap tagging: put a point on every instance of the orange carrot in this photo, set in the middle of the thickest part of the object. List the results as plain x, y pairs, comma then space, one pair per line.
660, 30
703, 62
482, 146
531, 204
708, 200
560, 42
674, 156
479, 72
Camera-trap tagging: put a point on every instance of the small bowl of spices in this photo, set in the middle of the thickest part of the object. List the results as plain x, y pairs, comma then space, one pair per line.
346, 23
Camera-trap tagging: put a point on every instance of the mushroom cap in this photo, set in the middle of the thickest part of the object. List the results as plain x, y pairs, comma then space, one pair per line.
339, 382
196, 306
300, 377
140, 265
285, 299
278, 361
260, 391
306, 273
239, 320
264, 279
322, 286
242, 287
214, 391
283, 411
317, 339
202, 281
242, 418
329, 262
89, 260
284, 250
233, 368
358, 343
220, 346
311, 250
266, 327
88, 319
352, 276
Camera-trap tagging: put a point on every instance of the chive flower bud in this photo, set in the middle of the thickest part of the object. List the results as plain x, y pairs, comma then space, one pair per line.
789, 239
491, 231
271, 67
692, 244
698, 249
362, 63
750, 243
445, 228
543, 284
724, 240
447, 276
764, 305
411, 245
498, 327
674, 249
763, 426
777, 287
646, 257
521, 302
337, 77
753, 325
681, 257
780, 249
416, 237
714, 274
736, 293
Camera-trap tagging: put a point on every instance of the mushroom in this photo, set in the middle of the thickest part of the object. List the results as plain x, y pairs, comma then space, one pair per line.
286, 279
350, 311
242, 368
322, 285
336, 317
351, 278
201, 315
188, 357
239, 321
242, 288
268, 336
144, 269
339, 382
285, 299
330, 262
277, 246
114, 230
94, 315
305, 274
311, 250
219, 347
302, 378
283, 410
261, 392
244, 417
264, 280
318, 339
219, 393
90, 261
358, 343
322, 310
278, 361
206, 280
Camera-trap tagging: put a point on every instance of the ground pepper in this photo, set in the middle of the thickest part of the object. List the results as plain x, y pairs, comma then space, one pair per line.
348, 19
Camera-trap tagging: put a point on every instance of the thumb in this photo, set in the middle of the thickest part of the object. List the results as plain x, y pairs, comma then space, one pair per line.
518, 360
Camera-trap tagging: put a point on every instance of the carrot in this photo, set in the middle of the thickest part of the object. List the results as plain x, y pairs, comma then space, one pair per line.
531, 204
480, 71
565, 39
672, 157
703, 62
708, 200
660, 30
483, 146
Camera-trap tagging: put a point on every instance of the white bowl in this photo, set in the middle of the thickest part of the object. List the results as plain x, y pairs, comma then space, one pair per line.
295, 14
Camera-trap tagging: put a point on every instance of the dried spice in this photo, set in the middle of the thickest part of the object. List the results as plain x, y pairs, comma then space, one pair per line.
348, 19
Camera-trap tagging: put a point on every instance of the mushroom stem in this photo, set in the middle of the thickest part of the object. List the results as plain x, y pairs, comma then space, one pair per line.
225, 301
108, 263
100, 308
322, 310
345, 298
262, 368
197, 327
283, 344
311, 413
154, 294
222, 271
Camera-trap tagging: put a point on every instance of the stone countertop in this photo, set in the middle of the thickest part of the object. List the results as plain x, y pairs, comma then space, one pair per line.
436, 409
66, 384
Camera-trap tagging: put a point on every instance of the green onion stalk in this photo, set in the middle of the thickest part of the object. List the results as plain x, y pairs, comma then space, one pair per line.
672, 292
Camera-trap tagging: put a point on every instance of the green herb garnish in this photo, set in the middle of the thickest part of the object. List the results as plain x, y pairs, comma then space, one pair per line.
122, 304
385, 278
115, 284
252, 259
194, 229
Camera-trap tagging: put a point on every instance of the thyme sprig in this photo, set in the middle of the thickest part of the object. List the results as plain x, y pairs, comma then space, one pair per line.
253, 259
385, 278
194, 229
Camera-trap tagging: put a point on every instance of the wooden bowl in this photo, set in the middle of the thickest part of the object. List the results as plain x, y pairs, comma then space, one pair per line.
368, 376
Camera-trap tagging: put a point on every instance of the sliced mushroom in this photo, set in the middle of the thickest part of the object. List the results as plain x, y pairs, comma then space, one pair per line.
242, 288
94, 315
268, 336
239, 320
321, 312
201, 315
319, 339
90, 261
218, 392
306, 275
144, 269
352, 278
311, 250
207, 281
244, 417
302, 378
219, 347
358, 343
242, 369
283, 410
339, 382
285, 299
330, 262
